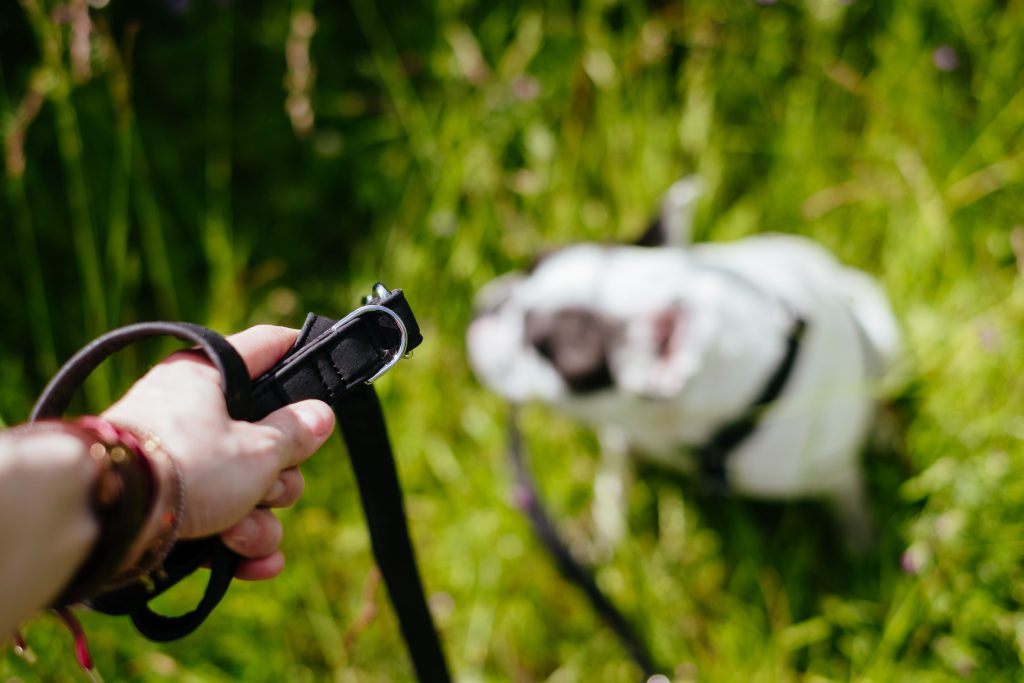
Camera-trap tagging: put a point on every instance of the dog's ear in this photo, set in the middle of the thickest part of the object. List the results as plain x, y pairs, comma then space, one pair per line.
672, 226
539, 258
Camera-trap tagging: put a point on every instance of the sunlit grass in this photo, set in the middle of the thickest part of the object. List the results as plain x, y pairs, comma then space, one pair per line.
451, 143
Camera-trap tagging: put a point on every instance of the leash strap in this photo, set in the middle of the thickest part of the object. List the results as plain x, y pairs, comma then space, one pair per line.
331, 361
528, 497
362, 425
321, 370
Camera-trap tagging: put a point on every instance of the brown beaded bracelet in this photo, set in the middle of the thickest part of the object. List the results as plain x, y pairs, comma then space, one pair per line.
121, 500
169, 501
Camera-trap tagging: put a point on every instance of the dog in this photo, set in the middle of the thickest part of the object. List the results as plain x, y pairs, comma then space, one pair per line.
761, 355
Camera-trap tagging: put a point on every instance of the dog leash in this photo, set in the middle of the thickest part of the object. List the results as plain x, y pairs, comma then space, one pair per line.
572, 569
336, 362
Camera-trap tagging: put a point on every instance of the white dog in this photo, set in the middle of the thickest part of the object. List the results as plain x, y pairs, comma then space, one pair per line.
755, 361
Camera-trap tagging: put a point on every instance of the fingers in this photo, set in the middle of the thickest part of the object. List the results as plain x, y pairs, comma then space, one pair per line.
263, 568
301, 429
286, 490
257, 538
262, 346
258, 535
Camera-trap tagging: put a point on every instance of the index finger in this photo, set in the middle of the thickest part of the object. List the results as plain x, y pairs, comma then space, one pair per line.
262, 346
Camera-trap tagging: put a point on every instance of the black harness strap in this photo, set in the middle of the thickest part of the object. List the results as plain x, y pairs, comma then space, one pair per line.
713, 455
331, 361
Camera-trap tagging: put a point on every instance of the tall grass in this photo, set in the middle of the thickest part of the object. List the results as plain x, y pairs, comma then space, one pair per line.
451, 142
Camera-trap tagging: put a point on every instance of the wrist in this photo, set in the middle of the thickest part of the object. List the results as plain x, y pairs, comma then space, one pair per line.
111, 504
46, 479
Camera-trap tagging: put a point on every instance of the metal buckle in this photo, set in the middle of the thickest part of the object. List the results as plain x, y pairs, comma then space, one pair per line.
369, 308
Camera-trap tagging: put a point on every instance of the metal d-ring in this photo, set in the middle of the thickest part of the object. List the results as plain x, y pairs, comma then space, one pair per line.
363, 310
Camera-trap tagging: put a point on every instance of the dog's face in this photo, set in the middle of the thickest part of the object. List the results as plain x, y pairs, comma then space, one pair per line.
591, 320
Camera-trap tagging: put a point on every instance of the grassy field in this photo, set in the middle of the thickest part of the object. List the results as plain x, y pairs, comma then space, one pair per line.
232, 164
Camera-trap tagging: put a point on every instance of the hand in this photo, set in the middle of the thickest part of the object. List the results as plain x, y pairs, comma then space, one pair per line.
233, 471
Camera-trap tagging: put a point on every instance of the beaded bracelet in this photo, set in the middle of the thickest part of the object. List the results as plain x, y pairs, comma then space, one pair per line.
121, 500
127, 490
169, 501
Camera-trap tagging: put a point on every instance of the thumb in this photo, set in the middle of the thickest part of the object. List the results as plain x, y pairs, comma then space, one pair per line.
301, 429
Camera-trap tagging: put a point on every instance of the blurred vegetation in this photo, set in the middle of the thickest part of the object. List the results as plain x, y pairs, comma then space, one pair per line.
232, 164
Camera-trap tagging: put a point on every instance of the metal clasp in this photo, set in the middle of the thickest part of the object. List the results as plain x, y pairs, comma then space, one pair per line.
380, 292
369, 308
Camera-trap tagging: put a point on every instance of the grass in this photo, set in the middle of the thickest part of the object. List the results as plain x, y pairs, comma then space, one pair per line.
163, 176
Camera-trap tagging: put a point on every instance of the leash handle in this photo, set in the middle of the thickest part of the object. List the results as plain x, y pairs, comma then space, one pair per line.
186, 556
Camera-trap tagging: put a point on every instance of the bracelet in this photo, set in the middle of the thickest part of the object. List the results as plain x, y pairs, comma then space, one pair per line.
169, 504
121, 500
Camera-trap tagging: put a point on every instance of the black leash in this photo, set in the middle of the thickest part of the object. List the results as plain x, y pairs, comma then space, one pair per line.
331, 361
570, 567
712, 458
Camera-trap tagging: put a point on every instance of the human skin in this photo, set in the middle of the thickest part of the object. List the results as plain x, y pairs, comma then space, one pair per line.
233, 472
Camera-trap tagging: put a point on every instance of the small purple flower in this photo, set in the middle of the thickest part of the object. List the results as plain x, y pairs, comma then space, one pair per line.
522, 498
525, 88
178, 6
945, 58
914, 559
907, 564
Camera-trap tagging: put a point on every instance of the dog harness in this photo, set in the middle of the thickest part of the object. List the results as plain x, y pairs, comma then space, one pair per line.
336, 362
713, 455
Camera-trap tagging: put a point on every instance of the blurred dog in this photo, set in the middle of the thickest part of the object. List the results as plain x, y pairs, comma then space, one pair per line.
754, 361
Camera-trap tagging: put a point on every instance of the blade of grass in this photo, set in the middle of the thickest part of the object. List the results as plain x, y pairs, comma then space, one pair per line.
69, 145
28, 250
119, 84
152, 234
218, 241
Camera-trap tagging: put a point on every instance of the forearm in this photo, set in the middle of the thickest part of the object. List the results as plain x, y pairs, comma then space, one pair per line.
46, 526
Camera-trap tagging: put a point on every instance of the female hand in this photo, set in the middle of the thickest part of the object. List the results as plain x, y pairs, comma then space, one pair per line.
232, 471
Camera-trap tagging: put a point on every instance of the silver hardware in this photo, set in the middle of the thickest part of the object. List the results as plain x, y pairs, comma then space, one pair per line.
380, 292
363, 310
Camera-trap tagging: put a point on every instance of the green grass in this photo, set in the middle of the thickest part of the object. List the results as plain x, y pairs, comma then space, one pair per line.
163, 177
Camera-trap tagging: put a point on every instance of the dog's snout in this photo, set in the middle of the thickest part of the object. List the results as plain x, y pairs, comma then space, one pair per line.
575, 343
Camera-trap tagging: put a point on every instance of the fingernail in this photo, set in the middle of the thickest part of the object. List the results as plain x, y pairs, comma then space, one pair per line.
317, 418
245, 530
275, 492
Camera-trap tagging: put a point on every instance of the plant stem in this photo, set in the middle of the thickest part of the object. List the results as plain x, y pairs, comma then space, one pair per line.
28, 255
218, 242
